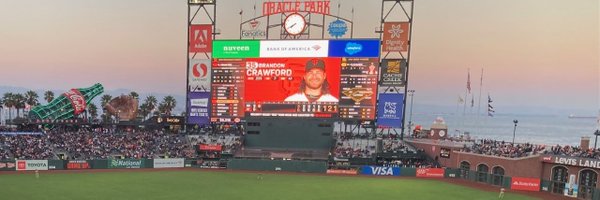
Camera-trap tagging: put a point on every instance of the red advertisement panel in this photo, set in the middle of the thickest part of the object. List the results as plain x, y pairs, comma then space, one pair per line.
527, 184
395, 36
200, 38
341, 171
294, 87
210, 147
430, 172
78, 164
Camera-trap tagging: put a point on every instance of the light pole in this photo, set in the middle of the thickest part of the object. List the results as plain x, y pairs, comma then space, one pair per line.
596, 133
515, 130
411, 93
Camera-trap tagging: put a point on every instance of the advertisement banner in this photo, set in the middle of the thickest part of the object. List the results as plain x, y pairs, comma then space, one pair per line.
210, 147
354, 48
395, 36
381, 171
573, 161
389, 110
125, 163
236, 49
342, 171
445, 152
527, 184
392, 72
198, 108
294, 48
358, 85
294, 87
78, 164
430, 172
571, 187
32, 165
169, 163
8, 165
77, 101
199, 75
200, 38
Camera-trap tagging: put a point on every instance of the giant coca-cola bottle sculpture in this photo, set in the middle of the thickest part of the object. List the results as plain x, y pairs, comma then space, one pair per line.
68, 105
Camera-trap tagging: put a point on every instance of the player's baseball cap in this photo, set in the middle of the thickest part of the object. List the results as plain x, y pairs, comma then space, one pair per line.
315, 63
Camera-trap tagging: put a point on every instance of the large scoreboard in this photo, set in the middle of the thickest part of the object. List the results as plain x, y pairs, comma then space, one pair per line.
299, 78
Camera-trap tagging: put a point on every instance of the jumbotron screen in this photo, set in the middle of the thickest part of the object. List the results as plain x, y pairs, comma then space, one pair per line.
311, 79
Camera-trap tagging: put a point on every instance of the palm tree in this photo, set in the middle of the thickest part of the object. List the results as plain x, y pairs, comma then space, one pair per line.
93, 110
31, 98
151, 103
134, 94
163, 108
1, 107
105, 99
49, 96
170, 104
9, 102
19, 101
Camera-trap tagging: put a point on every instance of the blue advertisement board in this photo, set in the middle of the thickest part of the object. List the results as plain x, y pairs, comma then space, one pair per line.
198, 108
389, 110
354, 48
380, 171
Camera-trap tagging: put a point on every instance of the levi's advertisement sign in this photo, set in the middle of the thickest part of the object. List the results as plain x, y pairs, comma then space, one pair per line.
294, 48
573, 161
199, 75
32, 165
200, 38
527, 184
389, 110
236, 49
381, 171
430, 172
168, 163
126, 163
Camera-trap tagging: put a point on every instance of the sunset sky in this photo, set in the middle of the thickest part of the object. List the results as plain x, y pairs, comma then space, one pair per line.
542, 53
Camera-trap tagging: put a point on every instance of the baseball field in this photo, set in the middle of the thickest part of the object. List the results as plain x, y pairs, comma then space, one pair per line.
218, 185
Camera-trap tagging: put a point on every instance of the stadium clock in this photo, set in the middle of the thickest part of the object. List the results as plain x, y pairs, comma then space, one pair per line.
294, 24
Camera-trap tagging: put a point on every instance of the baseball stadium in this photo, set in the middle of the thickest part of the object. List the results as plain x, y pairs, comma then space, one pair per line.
296, 107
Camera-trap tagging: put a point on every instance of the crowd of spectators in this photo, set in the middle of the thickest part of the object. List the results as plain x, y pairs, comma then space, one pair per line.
503, 149
574, 151
407, 162
100, 145
25, 147
363, 146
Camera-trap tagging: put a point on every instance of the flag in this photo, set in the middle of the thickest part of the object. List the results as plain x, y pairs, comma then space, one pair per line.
490, 107
241, 11
469, 81
489, 99
472, 101
460, 100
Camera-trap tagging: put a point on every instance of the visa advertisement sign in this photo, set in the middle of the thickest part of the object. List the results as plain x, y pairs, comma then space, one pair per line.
354, 48
380, 171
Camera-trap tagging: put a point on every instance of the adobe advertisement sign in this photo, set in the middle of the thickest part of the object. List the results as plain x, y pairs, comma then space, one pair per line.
27, 165
199, 75
198, 108
8, 165
358, 88
200, 38
430, 172
395, 36
389, 110
302, 87
380, 171
526, 184
392, 72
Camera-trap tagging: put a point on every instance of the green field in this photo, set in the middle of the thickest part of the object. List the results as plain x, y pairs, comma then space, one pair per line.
206, 185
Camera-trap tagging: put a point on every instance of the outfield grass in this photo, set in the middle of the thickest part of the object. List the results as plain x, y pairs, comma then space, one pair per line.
203, 185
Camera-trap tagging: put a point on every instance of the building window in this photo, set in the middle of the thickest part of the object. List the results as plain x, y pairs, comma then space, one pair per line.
587, 183
498, 175
482, 173
559, 178
465, 168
